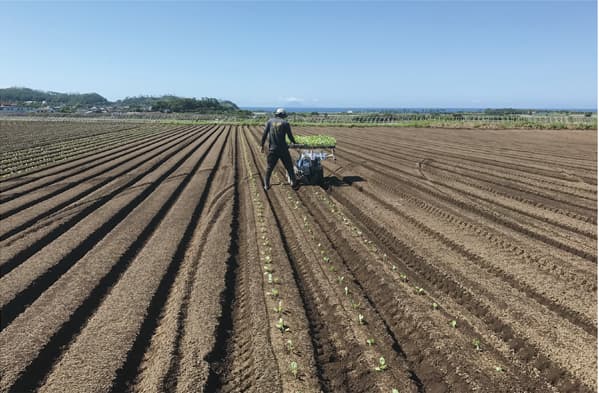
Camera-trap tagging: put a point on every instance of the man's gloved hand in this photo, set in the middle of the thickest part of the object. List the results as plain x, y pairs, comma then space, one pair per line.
262, 149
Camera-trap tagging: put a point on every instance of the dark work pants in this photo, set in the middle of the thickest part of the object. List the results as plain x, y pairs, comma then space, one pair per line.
271, 160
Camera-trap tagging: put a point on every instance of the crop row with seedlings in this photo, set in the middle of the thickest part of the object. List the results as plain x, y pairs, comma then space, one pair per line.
355, 313
19, 161
372, 275
17, 134
401, 278
387, 279
68, 146
292, 362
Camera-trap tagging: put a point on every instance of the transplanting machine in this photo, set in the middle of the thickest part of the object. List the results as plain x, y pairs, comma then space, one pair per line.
308, 165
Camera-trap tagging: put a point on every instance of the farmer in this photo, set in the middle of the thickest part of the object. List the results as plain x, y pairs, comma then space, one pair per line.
275, 130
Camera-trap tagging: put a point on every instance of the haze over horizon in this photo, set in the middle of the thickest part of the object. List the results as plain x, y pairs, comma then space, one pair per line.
539, 54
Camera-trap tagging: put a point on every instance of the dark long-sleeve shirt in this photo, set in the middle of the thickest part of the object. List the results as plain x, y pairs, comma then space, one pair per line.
275, 130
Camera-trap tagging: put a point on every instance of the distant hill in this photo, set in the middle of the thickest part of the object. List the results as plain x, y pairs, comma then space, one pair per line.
166, 103
179, 104
22, 95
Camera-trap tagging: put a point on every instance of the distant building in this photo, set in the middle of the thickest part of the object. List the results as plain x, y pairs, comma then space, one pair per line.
46, 109
13, 109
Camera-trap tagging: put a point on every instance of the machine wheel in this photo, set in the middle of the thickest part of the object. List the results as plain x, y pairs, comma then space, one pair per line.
316, 177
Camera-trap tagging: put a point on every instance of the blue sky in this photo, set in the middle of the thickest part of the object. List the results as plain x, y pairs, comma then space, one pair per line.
310, 53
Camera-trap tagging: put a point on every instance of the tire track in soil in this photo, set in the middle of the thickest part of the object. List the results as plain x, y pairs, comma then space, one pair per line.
112, 334
232, 341
108, 349
588, 210
535, 221
294, 345
421, 368
480, 210
561, 310
498, 239
105, 277
534, 199
12, 307
525, 167
554, 377
566, 342
590, 216
430, 275
423, 351
70, 169
526, 207
331, 368
393, 156
347, 369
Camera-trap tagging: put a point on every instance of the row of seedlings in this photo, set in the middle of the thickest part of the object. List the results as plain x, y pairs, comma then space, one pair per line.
380, 364
272, 282
383, 258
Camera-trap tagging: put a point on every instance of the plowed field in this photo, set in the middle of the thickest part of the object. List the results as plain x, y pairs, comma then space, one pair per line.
148, 258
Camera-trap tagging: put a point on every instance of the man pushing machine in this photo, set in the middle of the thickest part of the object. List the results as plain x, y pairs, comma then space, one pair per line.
276, 130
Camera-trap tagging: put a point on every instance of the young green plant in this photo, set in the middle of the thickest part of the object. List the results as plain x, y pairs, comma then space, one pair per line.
382, 364
294, 369
281, 326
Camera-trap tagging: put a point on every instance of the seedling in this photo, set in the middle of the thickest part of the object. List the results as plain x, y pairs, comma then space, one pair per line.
293, 369
289, 346
279, 308
370, 342
326, 259
476, 343
274, 292
419, 290
403, 277
499, 369
346, 290
361, 319
355, 305
269, 278
394, 391
281, 326
382, 365
332, 268
435, 306
453, 323
268, 268
393, 267
340, 279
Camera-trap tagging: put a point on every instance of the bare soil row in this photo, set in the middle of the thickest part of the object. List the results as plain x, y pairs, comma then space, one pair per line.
431, 261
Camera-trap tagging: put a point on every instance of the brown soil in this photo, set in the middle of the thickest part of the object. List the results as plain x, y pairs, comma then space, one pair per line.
159, 264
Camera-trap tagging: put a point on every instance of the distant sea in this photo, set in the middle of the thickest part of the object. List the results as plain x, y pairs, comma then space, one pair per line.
397, 110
